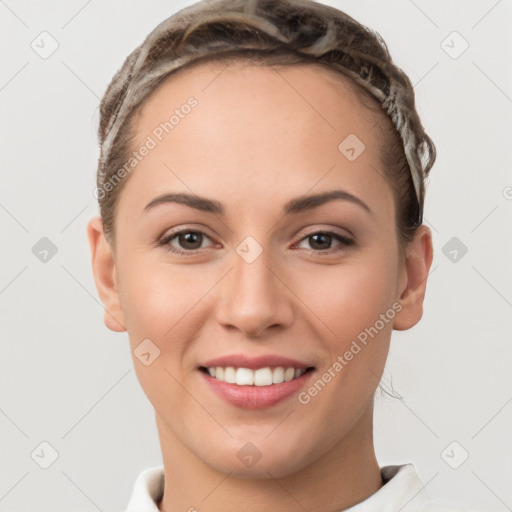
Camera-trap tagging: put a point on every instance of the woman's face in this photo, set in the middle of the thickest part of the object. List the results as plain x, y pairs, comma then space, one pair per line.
262, 271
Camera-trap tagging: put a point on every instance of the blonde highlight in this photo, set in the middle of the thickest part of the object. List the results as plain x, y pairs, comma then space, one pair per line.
272, 32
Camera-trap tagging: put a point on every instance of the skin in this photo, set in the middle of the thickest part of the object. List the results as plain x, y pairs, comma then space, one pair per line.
253, 143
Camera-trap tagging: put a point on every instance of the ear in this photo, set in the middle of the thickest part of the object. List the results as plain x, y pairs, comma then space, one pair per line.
418, 259
105, 277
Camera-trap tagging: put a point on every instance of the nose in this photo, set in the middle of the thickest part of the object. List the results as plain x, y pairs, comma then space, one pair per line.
254, 298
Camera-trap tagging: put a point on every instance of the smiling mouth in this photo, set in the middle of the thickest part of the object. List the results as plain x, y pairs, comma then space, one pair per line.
266, 376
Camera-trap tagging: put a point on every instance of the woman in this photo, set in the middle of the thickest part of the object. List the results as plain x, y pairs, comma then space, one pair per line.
261, 188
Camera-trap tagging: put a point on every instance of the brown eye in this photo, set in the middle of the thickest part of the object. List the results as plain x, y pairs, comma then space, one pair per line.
183, 241
322, 241
190, 240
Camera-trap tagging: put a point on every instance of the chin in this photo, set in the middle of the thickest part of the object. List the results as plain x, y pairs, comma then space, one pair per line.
258, 460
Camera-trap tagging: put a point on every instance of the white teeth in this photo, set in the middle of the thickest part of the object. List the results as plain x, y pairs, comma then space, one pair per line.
229, 375
278, 375
289, 374
260, 377
263, 377
244, 377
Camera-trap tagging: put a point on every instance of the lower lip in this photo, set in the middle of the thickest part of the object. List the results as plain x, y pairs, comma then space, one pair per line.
256, 397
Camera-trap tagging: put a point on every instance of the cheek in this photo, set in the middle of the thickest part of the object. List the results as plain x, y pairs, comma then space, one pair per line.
171, 305
349, 298
158, 302
355, 301
156, 297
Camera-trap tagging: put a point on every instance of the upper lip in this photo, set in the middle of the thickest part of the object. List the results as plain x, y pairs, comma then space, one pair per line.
244, 361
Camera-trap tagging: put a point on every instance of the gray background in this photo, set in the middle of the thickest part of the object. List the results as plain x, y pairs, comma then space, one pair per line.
68, 381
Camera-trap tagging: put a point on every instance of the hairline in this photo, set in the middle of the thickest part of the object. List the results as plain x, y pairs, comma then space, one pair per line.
371, 106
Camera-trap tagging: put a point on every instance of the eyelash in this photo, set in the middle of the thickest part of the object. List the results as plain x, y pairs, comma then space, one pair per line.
165, 242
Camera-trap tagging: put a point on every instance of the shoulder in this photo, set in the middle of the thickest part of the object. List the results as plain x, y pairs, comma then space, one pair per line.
147, 491
402, 490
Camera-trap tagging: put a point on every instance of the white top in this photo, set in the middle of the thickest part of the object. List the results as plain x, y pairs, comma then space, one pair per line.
402, 490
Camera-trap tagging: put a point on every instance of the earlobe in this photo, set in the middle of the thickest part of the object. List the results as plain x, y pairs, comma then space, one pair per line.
419, 254
105, 275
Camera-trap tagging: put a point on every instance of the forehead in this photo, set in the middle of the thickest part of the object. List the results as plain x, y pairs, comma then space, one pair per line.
242, 82
256, 126
313, 100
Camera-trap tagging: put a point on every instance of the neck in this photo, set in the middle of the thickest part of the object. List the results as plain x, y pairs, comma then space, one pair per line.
345, 475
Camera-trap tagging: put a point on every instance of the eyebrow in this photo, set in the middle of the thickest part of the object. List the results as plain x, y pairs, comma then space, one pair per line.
294, 206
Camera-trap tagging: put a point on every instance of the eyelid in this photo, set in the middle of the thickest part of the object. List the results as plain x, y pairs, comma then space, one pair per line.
344, 241
164, 240
344, 232
184, 228
347, 236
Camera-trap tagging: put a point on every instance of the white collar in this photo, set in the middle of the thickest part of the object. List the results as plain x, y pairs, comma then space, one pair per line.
402, 491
